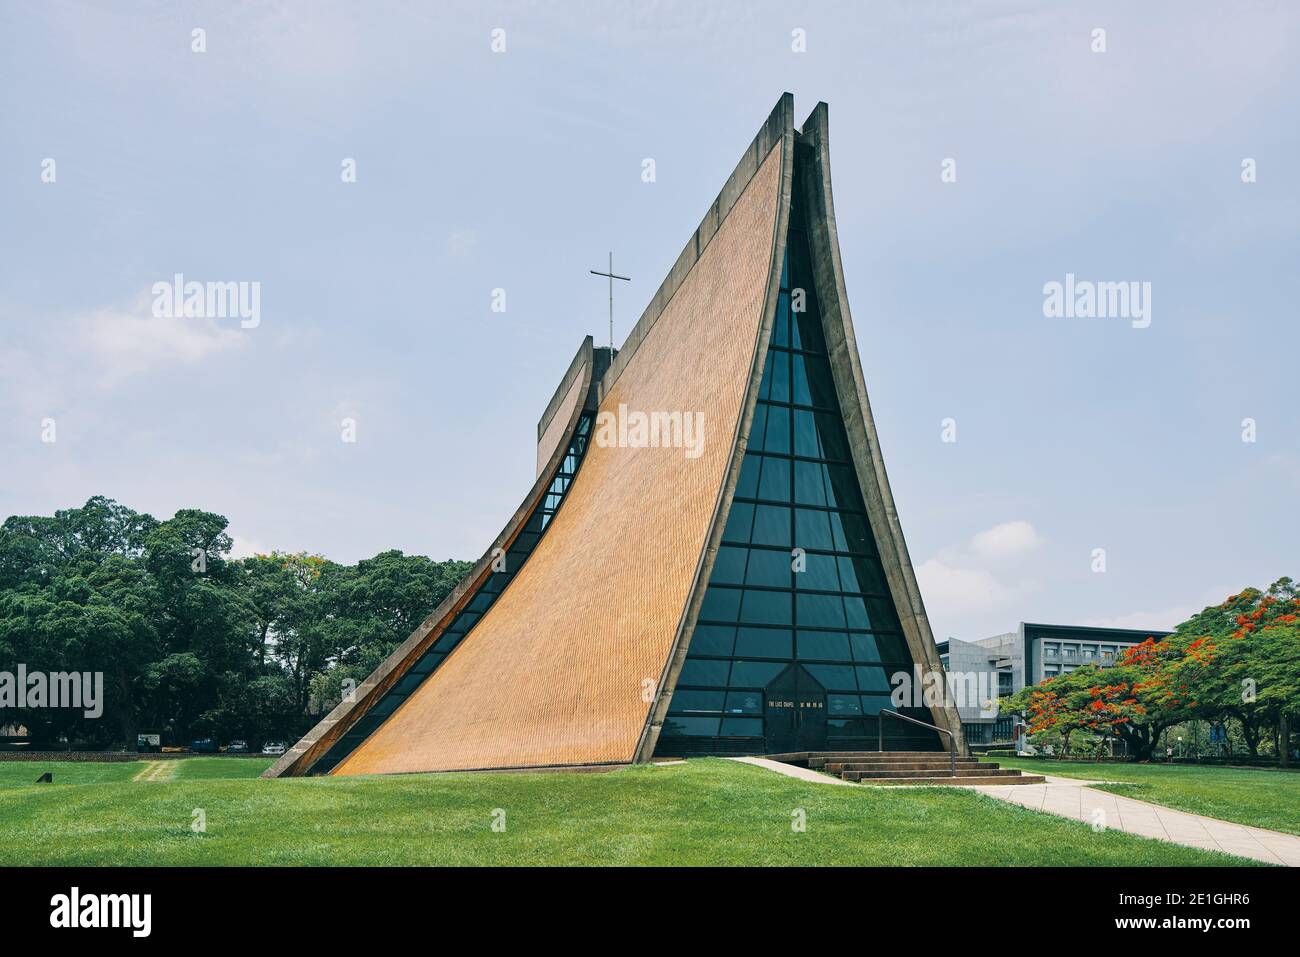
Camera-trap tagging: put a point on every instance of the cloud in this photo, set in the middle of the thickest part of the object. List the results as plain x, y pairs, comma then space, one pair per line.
952, 591
462, 243
1141, 620
1006, 540
1167, 618
246, 547
131, 339
955, 583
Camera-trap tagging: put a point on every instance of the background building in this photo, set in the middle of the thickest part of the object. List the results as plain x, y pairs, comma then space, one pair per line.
1031, 654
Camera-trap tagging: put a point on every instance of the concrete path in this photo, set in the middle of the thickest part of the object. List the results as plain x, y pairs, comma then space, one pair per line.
157, 771
1073, 798
791, 771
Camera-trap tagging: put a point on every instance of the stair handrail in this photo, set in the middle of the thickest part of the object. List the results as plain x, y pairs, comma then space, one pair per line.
952, 746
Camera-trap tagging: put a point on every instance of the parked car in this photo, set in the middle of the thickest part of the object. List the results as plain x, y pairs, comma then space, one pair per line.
237, 747
204, 746
274, 748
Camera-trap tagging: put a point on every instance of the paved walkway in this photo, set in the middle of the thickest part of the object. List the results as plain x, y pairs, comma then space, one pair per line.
792, 771
157, 771
1072, 798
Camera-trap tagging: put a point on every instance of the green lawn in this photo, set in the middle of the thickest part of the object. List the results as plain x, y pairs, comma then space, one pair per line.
1252, 796
707, 811
15, 774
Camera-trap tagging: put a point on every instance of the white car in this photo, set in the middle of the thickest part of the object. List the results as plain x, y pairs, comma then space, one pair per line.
274, 748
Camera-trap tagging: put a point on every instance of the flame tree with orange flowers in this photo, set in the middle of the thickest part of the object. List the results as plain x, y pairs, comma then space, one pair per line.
1239, 661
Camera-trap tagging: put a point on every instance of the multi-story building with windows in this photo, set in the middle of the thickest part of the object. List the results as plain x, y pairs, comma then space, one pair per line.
1031, 654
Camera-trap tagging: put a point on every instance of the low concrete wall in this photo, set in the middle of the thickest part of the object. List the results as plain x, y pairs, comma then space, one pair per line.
111, 756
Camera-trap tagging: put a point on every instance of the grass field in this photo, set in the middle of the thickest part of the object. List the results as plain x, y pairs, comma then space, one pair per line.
1252, 796
706, 811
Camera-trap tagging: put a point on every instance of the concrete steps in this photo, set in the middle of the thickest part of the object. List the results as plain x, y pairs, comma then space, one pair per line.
907, 767
842, 764
946, 781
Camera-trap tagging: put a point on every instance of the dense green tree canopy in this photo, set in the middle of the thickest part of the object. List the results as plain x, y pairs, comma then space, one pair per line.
192, 643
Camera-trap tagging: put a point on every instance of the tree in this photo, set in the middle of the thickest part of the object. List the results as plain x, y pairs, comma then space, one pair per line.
188, 640
1239, 660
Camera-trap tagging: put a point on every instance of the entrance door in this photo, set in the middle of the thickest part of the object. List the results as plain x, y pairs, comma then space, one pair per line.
795, 708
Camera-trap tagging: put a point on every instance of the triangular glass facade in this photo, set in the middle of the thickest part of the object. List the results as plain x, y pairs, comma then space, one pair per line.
769, 606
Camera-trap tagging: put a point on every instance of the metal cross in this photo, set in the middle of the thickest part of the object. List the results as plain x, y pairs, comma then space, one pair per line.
611, 277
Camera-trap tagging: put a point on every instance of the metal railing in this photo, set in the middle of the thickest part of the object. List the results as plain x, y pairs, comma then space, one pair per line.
952, 740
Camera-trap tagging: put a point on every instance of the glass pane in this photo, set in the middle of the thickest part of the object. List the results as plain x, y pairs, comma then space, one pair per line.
824, 645
780, 372
851, 534
695, 727
847, 728
799, 391
805, 434
713, 640
710, 674
775, 481
480, 601
824, 610
744, 702
842, 487
764, 643
834, 444
873, 679
777, 437
771, 525
875, 703
720, 604
766, 607
781, 327
739, 523
834, 677
747, 484
876, 614
809, 487
742, 727
842, 704
755, 674
448, 641
862, 575
687, 701
805, 330
812, 529
819, 573
865, 648
768, 568
729, 567
880, 648
820, 383
428, 661
856, 610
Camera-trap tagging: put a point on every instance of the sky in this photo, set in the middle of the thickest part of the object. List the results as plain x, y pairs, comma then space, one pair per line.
520, 169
